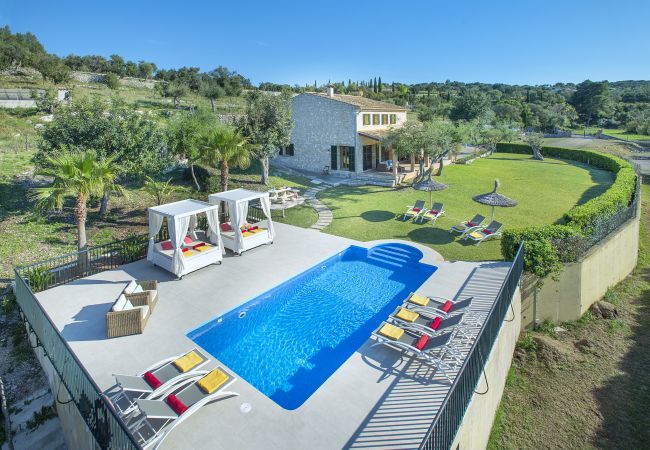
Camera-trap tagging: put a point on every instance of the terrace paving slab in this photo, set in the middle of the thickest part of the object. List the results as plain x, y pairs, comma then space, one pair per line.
378, 398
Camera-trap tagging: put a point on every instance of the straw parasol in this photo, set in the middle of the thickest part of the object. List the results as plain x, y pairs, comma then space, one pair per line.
495, 199
426, 183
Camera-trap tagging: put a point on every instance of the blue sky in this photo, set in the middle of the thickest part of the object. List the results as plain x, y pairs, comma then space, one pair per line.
518, 42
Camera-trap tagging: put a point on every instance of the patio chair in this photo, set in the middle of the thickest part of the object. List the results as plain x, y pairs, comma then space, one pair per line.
145, 292
437, 210
156, 378
468, 225
426, 321
126, 318
432, 349
413, 211
438, 306
493, 230
175, 408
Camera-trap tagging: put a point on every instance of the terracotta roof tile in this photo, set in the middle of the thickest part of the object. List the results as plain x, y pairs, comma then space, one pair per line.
362, 103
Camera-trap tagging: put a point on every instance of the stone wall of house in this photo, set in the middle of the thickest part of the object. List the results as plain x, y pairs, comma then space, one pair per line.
319, 123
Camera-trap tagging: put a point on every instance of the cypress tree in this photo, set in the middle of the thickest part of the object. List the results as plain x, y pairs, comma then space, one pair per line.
380, 87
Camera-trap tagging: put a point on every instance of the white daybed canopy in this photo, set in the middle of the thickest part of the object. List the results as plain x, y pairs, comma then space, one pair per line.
181, 219
237, 201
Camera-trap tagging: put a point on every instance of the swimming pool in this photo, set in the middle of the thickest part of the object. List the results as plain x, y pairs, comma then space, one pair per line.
287, 341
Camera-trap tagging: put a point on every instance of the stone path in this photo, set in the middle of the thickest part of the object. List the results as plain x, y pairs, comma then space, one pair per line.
324, 214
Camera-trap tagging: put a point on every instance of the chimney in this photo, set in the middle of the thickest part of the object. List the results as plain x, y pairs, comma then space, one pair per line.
330, 90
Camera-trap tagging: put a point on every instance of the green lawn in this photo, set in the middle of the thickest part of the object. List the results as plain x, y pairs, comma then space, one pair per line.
544, 190
618, 133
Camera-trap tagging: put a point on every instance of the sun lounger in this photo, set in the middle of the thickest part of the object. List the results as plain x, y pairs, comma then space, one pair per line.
432, 349
426, 321
413, 211
469, 225
437, 210
154, 419
438, 306
493, 230
154, 379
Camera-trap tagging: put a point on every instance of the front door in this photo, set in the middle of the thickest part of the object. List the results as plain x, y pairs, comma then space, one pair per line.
367, 157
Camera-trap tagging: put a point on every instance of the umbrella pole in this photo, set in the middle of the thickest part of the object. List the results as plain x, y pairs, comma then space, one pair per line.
492, 213
430, 199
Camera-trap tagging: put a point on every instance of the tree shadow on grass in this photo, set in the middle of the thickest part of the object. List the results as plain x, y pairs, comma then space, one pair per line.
430, 235
377, 216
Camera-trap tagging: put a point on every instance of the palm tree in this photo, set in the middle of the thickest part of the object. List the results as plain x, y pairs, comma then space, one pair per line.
78, 175
158, 190
226, 147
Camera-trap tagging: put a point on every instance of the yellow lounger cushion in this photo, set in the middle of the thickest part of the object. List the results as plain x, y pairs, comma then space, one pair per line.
418, 300
391, 331
188, 362
246, 233
212, 381
476, 235
189, 253
406, 315
203, 248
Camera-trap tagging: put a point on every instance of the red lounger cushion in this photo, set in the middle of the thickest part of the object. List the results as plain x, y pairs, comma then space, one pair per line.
435, 324
151, 380
200, 244
434, 212
471, 224
422, 342
225, 227
415, 209
166, 245
184, 249
486, 231
175, 404
447, 306
188, 240
253, 228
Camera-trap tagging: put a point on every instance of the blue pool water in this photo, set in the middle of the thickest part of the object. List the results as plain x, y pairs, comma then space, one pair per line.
287, 341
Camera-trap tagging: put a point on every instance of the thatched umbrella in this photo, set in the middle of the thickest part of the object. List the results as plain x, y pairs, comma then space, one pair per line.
495, 199
426, 183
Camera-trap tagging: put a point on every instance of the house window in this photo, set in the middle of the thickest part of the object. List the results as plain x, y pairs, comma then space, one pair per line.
375, 119
393, 119
286, 151
366, 119
384, 119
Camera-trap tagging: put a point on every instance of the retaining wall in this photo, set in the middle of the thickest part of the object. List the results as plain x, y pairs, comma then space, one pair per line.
583, 283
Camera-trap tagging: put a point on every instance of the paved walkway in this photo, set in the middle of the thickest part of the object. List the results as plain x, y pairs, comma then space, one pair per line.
324, 214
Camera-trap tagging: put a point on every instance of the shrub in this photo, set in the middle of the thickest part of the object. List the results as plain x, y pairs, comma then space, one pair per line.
545, 247
549, 246
111, 81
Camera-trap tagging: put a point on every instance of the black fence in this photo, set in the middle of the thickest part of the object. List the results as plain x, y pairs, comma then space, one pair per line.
107, 429
442, 432
63, 269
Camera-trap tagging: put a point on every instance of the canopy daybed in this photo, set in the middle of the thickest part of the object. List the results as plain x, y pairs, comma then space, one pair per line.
238, 235
187, 249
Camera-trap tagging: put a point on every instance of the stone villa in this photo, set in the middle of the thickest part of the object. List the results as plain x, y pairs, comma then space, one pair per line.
341, 134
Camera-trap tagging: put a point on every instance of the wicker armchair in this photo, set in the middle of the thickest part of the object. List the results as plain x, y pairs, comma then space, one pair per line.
132, 321
148, 297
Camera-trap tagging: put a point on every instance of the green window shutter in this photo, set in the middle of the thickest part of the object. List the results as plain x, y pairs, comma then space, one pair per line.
333, 164
352, 155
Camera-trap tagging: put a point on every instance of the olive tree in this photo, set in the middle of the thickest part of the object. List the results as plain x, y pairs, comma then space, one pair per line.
267, 125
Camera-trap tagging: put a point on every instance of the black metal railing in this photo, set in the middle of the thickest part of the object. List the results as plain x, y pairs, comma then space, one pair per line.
255, 213
107, 429
64, 269
442, 432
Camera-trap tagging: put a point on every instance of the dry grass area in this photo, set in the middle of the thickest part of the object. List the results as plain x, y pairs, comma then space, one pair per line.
587, 386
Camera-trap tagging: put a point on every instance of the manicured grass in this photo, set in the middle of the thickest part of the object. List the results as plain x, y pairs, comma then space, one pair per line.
544, 189
618, 133
300, 216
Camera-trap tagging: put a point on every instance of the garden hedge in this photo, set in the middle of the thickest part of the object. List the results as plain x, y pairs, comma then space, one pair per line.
547, 247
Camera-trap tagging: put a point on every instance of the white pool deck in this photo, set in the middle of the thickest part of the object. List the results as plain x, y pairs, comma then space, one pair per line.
379, 398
